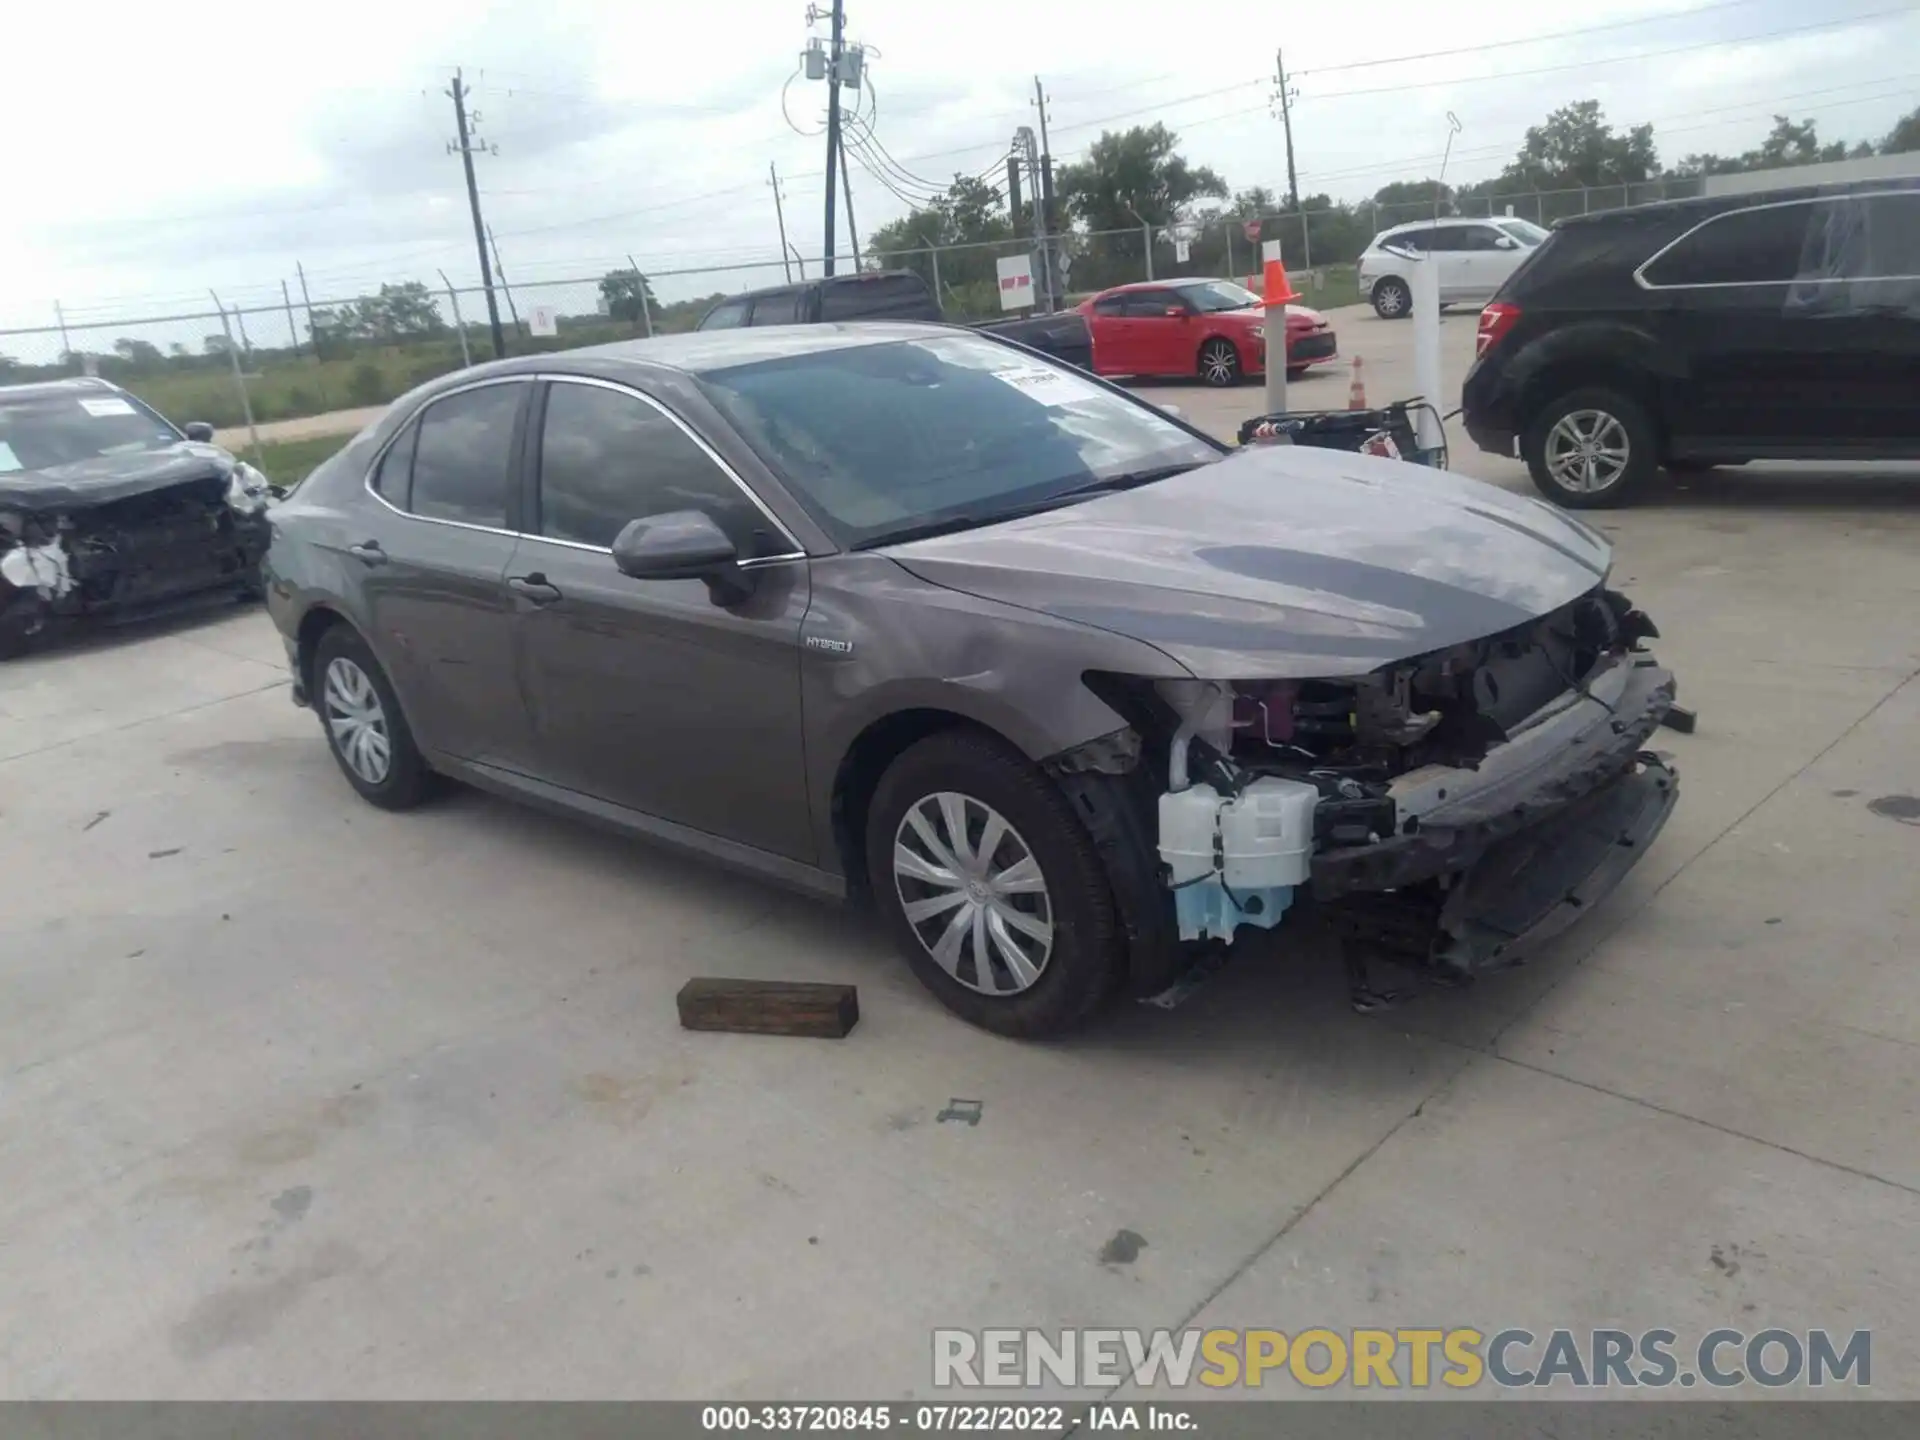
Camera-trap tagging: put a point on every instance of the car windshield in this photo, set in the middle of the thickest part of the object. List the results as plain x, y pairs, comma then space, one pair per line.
885, 441
1212, 295
1525, 231
48, 430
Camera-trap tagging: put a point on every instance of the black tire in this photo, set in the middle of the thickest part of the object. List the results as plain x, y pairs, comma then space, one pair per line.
1218, 363
1690, 467
1296, 372
21, 619
1087, 957
407, 780
1392, 299
1642, 446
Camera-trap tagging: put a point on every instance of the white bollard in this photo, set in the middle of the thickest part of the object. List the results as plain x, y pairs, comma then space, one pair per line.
1275, 334
1426, 351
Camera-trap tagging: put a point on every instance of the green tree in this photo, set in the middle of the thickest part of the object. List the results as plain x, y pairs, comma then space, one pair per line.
1904, 136
623, 292
1574, 147
216, 344
1414, 197
971, 214
1130, 180
138, 353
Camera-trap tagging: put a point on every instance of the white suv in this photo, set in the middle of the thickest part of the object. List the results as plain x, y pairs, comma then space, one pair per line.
1476, 257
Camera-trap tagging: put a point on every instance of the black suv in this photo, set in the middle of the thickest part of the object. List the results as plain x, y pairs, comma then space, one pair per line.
1780, 325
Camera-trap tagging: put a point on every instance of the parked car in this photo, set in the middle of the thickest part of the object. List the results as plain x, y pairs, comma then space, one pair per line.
1475, 259
1774, 325
1213, 329
891, 295
108, 512
907, 615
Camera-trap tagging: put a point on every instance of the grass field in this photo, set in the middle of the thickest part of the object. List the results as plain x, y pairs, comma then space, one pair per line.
288, 462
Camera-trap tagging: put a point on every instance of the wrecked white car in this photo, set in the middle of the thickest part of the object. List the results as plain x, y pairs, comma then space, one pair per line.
107, 512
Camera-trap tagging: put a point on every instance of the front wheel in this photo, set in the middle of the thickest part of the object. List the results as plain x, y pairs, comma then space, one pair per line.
1219, 363
1392, 300
992, 887
1590, 448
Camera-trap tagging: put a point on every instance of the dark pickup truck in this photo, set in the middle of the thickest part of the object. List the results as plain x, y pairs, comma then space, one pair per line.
891, 295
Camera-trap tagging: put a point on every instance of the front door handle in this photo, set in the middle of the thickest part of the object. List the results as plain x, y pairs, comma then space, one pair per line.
369, 551
534, 587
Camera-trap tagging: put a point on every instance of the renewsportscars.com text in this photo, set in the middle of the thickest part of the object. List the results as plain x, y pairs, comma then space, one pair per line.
1459, 1358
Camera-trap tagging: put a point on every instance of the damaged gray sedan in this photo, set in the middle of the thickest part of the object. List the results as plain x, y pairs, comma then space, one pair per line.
1068, 691
108, 513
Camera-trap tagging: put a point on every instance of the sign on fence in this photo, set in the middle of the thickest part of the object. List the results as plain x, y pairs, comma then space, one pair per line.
543, 321
1016, 281
1252, 230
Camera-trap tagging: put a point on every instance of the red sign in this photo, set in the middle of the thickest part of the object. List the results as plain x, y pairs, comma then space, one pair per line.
1252, 227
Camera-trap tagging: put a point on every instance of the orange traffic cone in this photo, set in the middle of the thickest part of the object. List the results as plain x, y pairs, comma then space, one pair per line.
1278, 290
1357, 391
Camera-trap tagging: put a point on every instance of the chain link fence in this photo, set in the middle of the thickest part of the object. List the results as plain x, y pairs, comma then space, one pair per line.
263, 361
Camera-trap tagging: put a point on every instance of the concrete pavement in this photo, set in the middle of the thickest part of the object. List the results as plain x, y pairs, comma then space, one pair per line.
302, 1099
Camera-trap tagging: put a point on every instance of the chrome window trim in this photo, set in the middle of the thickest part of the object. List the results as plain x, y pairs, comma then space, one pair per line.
373, 466
379, 455
719, 461
1640, 277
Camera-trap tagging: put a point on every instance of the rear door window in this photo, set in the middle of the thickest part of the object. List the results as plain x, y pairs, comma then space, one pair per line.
1412, 241
1761, 246
869, 296
782, 307
393, 475
1110, 305
729, 315
463, 458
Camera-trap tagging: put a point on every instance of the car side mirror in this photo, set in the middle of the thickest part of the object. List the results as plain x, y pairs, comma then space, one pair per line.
198, 430
1506, 242
682, 545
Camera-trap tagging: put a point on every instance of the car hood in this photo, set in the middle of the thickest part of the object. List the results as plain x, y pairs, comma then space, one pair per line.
1282, 561
106, 478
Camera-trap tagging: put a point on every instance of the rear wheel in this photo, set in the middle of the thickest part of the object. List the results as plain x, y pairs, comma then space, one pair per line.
1219, 363
1590, 448
365, 729
1392, 300
992, 888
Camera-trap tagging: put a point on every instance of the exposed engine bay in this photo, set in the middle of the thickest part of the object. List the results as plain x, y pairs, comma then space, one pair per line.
1442, 810
68, 556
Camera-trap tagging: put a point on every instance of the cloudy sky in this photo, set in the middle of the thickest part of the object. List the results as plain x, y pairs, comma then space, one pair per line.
211, 144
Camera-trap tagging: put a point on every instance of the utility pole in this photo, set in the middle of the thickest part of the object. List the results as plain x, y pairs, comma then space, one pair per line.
1024, 144
1043, 202
846, 181
1286, 99
780, 218
501, 271
307, 301
833, 121
466, 146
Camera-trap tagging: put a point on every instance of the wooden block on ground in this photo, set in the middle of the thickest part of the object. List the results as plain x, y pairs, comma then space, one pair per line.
769, 1007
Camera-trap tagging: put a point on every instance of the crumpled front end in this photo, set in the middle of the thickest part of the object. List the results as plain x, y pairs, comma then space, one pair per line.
1451, 811
133, 556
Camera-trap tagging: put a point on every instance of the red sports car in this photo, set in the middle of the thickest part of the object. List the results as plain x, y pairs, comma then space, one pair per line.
1210, 328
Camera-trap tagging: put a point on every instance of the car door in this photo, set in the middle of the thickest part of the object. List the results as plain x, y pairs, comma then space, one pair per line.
1487, 255
1760, 363
1107, 328
432, 563
1164, 339
648, 693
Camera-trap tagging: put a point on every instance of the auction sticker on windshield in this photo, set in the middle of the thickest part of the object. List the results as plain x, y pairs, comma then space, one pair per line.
1049, 387
112, 405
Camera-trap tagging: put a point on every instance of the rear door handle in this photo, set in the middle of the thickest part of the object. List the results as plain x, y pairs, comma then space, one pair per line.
534, 587
369, 551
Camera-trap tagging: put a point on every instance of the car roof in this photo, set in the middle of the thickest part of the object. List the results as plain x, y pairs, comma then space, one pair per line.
696, 351
1746, 200
70, 385
863, 277
1443, 220
1171, 283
